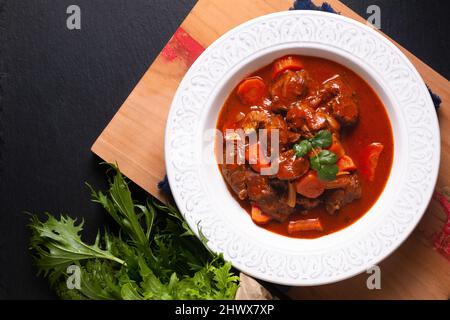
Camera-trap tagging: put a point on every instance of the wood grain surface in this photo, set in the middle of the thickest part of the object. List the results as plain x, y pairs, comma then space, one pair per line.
135, 136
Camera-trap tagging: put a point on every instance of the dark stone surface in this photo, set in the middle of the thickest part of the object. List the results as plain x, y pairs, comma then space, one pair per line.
60, 88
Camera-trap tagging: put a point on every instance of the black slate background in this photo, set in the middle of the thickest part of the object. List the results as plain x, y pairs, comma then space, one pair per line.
59, 89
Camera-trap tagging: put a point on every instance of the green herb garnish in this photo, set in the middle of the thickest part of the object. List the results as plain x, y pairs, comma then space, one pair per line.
323, 139
324, 161
325, 165
302, 148
322, 158
155, 255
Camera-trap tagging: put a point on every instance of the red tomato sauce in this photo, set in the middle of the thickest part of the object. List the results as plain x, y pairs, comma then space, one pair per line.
373, 126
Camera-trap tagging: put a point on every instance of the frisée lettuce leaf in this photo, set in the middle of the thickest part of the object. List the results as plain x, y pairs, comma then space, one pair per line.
154, 254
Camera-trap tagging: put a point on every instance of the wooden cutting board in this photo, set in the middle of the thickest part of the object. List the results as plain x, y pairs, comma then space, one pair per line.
135, 140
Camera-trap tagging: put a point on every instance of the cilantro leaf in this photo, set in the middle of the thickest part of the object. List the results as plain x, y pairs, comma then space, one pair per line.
302, 148
325, 165
328, 172
323, 139
326, 157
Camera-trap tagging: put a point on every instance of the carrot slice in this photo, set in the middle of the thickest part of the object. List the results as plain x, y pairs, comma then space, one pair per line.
310, 185
305, 225
256, 158
252, 90
346, 164
286, 63
258, 216
337, 147
369, 160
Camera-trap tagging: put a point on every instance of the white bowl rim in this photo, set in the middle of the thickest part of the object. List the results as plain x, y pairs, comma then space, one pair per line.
427, 104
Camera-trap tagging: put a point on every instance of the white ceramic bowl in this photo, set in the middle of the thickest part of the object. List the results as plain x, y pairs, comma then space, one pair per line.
201, 193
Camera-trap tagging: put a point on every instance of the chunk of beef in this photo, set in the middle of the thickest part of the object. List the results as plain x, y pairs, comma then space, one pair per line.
266, 197
345, 189
342, 181
280, 186
340, 99
297, 115
279, 107
301, 115
259, 119
293, 136
277, 122
254, 120
233, 168
307, 203
289, 86
235, 175
290, 166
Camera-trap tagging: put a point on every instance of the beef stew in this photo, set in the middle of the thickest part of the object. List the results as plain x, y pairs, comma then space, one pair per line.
333, 150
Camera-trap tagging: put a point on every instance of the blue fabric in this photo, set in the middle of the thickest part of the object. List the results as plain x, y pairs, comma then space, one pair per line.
436, 99
308, 5
164, 186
